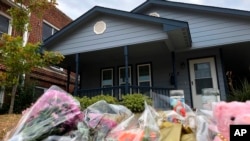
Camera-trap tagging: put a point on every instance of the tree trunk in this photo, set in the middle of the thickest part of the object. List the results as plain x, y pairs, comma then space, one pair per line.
13, 95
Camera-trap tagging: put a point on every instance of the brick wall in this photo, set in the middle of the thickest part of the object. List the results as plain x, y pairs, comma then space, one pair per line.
45, 77
4, 7
54, 16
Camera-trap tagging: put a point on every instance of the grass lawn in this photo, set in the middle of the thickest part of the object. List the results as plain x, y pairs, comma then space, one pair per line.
7, 122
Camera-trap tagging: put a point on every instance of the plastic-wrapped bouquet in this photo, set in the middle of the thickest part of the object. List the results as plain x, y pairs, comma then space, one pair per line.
101, 117
134, 129
54, 113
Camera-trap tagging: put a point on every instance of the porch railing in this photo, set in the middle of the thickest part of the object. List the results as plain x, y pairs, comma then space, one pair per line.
117, 91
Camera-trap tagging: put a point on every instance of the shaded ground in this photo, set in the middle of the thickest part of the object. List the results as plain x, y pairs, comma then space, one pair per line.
7, 122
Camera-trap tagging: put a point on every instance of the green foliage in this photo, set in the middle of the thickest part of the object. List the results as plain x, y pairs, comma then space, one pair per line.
135, 102
242, 93
86, 101
107, 98
24, 98
19, 59
21, 14
4, 109
20, 22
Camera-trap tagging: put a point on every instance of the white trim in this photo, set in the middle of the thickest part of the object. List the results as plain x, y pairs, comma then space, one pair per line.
39, 87
112, 78
10, 19
112, 73
150, 75
123, 83
2, 89
129, 71
197, 98
48, 23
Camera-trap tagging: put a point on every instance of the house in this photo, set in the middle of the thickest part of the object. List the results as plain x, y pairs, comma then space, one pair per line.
53, 20
157, 47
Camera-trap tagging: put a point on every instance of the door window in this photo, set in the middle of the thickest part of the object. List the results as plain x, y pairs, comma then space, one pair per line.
203, 78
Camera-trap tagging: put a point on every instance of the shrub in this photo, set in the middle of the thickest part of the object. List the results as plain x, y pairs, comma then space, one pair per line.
24, 98
85, 101
242, 93
5, 108
135, 102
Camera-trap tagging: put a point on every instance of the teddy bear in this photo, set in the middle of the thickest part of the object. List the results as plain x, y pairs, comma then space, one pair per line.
226, 114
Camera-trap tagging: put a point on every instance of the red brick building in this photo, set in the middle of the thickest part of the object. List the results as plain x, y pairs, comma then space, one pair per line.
52, 21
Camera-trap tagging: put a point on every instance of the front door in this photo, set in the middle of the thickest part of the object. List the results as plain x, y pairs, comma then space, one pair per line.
202, 75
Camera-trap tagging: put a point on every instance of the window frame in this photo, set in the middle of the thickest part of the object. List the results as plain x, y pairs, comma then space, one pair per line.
124, 83
52, 27
112, 78
138, 74
10, 19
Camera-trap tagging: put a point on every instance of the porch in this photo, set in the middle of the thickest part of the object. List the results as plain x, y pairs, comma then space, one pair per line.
118, 91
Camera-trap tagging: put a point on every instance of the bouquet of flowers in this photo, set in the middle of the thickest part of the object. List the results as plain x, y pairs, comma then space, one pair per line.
133, 129
54, 113
101, 117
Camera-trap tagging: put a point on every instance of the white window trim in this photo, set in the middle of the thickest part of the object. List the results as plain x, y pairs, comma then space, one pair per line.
54, 27
2, 90
112, 76
150, 75
128, 72
10, 19
45, 89
129, 80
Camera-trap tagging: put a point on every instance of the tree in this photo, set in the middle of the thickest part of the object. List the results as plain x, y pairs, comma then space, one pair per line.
18, 56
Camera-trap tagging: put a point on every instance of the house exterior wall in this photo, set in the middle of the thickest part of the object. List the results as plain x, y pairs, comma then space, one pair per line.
4, 7
161, 65
183, 73
53, 16
45, 77
207, 29
161, 70
119, 32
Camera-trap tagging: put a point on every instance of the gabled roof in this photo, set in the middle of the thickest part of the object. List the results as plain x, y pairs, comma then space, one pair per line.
168, 24
167, 3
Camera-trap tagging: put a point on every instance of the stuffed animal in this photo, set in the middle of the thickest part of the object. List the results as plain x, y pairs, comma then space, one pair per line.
178, 107
227, 113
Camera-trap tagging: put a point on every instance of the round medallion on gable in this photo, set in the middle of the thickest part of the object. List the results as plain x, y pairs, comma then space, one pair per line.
99, 27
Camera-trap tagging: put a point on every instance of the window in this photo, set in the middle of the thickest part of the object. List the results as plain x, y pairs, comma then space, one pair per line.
48, 30
5, 26
144, 77
122, 77
107, 80
39, 91
1, 96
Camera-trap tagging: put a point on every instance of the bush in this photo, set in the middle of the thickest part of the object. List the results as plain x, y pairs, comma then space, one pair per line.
135, 102
85, 101
24, 98
5, 108
242, 93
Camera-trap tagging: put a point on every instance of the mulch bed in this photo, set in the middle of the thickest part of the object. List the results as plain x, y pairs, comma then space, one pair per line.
7, 122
